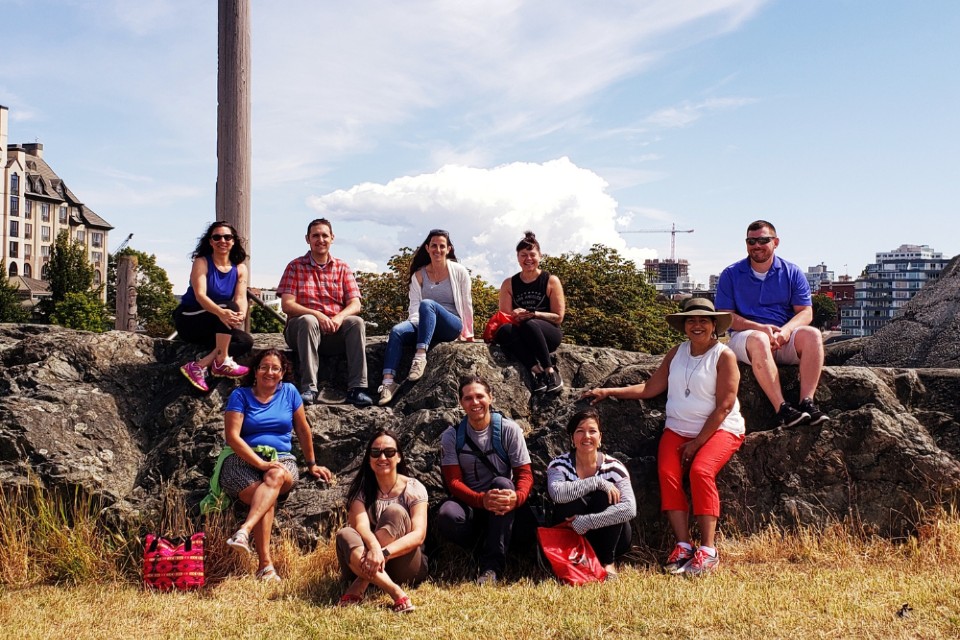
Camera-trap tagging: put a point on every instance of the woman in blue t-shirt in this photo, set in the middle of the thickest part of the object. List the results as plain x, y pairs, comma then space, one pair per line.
259, 421
212, 311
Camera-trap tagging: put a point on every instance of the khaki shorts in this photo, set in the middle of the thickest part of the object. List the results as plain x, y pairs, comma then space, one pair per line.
787, 354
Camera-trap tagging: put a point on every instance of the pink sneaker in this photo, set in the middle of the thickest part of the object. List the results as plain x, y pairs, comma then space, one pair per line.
229, 369
701, 564
196, 374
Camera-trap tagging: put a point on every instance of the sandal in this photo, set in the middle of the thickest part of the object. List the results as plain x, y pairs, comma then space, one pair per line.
268, 574
349, 599
240, 541
403, 605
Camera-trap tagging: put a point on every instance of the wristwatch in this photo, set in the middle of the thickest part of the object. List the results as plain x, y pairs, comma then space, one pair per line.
310, 463
386, 553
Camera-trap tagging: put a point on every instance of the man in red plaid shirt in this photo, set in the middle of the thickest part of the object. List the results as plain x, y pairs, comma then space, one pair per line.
321, 299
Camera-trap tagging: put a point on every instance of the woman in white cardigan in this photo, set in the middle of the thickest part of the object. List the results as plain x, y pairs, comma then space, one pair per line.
441, 309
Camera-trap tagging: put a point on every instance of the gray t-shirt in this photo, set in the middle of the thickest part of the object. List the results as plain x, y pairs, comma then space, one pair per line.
476, 475
413, 493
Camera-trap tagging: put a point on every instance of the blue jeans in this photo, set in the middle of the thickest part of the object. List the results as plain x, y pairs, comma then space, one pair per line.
436, 325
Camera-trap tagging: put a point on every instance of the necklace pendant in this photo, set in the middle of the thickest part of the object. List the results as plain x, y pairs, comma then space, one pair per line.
686, 393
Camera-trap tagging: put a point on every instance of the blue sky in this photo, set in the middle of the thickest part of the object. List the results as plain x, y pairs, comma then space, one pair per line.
836, 120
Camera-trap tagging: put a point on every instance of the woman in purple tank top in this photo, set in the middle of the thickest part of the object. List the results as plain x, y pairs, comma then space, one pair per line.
212, 311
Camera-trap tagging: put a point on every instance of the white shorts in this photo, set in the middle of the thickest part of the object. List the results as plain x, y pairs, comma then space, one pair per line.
787, 354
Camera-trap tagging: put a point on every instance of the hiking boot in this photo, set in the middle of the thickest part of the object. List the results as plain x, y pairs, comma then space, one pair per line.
539, 381
196, 374
701, 564
387, 391
358, 398
488, 578
553, 380
677, 558
228, 369
417, 367
790, 415
309, 397
816, 416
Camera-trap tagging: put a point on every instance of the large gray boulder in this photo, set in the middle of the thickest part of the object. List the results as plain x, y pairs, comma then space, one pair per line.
111, 414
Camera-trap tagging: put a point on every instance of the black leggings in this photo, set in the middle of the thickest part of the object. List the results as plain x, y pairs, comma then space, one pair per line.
531, 342
608, 542
202, 329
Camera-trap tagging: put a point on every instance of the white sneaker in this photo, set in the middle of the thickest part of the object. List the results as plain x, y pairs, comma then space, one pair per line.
417, 367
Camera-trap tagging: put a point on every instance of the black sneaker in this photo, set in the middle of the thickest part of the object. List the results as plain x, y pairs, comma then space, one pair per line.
816, 416
358, 398
553, 380
789, 415
539, 381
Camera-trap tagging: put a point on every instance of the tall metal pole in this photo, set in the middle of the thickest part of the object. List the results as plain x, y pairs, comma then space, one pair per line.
233, 115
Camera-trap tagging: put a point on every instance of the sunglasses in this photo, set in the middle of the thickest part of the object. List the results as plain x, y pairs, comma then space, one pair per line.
760, 240
375, 453
217, 237
438, 232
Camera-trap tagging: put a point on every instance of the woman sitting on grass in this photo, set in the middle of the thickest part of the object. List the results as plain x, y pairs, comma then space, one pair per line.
259, 420
387, 524
704, 428
592, 491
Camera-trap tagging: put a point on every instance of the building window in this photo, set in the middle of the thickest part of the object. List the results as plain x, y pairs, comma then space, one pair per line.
15, 184
44, 212
14, 249
45, 272
15, 206
81, 236
63, 215
45, 234
96, 257
13, 269
27, 270
96, 239
27, 252
97, 278
14, 229
45, 252
28, 209
28, 231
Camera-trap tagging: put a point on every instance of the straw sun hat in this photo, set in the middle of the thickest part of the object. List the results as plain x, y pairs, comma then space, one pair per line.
700, 307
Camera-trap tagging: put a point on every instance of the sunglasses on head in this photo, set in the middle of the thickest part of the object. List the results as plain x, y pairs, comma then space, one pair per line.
439, 232
216, 237
760, 240
390, 452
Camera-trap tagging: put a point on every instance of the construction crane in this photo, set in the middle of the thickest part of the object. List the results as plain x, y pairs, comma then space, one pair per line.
123, 245
673, 231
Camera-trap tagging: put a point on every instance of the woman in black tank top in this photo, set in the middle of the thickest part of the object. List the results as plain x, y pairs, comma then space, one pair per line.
534, 299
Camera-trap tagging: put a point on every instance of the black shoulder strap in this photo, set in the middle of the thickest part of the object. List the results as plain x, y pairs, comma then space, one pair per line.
480, 454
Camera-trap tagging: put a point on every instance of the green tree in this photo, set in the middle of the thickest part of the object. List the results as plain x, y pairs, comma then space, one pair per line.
610, 303
80, 310
71, 273
261, 321
11, 309
155, 299
824, 311
386, 296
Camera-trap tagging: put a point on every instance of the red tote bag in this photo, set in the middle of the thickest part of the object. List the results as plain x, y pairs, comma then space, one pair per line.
167, 565
496, 321
570, 555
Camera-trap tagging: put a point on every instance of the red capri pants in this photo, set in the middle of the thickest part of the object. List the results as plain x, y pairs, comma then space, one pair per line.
706, 465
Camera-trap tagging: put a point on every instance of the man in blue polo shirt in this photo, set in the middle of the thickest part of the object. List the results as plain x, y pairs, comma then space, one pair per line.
772, 310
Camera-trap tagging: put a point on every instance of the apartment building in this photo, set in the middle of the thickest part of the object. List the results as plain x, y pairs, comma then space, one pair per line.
36, 205
887, 285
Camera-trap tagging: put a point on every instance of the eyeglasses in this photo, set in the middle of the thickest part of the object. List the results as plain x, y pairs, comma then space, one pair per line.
438, 232
375, 453
217, 237
265, 368
760, 240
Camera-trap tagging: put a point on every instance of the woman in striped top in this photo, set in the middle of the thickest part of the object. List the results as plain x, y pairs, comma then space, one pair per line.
592, 491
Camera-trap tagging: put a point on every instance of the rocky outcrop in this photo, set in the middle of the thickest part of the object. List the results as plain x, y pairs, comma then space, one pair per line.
927, 331
111, 413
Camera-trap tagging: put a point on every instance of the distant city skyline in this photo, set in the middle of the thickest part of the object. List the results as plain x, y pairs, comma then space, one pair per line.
836, 121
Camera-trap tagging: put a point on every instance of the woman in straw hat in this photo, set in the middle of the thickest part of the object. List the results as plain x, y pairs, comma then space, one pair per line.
704, 428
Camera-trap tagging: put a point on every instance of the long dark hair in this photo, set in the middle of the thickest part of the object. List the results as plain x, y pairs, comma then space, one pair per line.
422, 257
364, 485
584, 414
237, 253
251, 377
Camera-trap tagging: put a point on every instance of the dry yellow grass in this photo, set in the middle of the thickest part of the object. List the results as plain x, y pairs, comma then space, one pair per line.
776, 584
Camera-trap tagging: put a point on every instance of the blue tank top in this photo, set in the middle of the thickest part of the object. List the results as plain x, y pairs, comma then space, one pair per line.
220, 286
